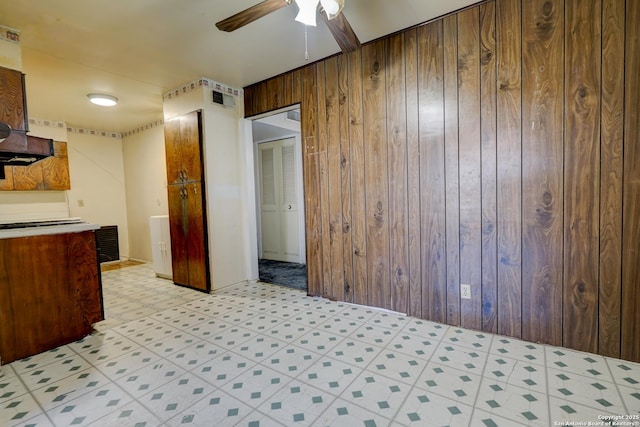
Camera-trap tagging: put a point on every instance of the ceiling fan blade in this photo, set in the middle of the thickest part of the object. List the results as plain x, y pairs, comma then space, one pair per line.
247, 16
342, 32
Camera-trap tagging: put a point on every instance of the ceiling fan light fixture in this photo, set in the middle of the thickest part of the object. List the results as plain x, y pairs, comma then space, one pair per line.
307, 11
102, 99
332, 7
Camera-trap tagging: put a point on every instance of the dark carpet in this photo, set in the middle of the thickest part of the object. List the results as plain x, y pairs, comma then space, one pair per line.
287, 274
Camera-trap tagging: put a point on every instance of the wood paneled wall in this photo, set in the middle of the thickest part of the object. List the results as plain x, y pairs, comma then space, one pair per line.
499, 147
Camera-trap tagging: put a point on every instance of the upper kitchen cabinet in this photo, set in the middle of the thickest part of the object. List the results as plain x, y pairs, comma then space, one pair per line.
13, 107
20, 168
182, 145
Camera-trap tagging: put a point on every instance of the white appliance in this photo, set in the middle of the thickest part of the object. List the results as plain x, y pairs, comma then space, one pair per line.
161, 246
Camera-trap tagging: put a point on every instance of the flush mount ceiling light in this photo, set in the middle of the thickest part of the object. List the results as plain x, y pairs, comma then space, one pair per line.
102, 99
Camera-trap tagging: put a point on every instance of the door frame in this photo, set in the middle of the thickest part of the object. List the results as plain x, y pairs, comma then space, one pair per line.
253, 190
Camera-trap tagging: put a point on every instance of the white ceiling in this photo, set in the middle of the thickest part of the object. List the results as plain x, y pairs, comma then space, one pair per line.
139, 49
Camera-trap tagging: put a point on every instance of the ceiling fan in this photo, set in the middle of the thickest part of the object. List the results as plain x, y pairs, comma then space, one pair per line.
330, 10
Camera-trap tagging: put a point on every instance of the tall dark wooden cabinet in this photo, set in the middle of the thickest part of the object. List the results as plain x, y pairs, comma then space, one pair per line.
187, 212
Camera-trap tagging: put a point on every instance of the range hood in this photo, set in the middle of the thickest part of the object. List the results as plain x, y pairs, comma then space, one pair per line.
19, 149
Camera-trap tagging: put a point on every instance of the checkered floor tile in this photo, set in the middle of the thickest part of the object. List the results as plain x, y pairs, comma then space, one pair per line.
259, 355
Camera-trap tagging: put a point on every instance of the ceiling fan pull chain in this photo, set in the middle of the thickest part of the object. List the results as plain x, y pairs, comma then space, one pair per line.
306, 47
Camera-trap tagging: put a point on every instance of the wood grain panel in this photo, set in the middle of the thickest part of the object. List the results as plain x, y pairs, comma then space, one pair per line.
49, 292
470, 165
488, 117
173, 152
55, 169
356, 137
413, 173
509, 168
376, 174
250, 100
542, 158
287, 89
457, 128
631, 191
83, 280
334, 202
248, 97
187, 215
7, 182
51, 173
431, 116
323, 201
28, 178
25, 289
451, 150
190, 147
262, 101
612, 126
12, 95
397, 151
197, 237
275, 92
296, 95
345, 176
581, 174
178, 227
311, 169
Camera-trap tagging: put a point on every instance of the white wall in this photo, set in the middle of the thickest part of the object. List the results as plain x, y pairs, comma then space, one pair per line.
224, 192
146, 190
95, 168
10, 51
226, 186
30, 205
97, 192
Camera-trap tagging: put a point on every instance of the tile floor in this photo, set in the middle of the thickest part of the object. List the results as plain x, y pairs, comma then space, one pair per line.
263, 355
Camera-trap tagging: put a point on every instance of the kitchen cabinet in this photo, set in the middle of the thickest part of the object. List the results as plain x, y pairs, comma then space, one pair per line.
186, 194
184, 149
50, 292
161, 246
19, 150
13, 107
51, 173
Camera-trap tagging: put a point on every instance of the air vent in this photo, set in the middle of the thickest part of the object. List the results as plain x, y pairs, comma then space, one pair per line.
223, 99
107, 242
293, 115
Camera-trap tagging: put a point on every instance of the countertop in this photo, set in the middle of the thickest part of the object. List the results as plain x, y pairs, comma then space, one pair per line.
47, 229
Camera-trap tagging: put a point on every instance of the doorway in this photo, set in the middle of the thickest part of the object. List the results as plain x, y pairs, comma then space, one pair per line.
279, 200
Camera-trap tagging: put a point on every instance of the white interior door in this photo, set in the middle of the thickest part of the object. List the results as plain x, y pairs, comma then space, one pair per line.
278, 200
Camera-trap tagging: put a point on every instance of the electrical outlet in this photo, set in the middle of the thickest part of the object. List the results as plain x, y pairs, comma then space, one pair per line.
465, 291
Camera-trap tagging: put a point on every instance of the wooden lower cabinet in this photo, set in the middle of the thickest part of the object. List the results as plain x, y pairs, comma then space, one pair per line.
50, 292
